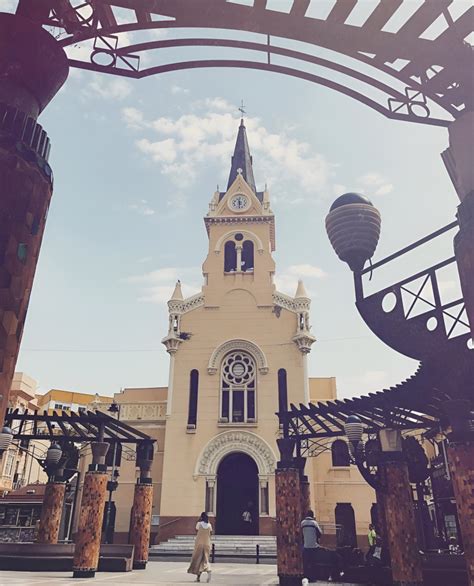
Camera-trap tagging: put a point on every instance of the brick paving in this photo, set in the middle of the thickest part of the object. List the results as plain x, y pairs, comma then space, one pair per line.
157, 573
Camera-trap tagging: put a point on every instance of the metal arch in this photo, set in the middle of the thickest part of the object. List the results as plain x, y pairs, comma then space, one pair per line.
436, 69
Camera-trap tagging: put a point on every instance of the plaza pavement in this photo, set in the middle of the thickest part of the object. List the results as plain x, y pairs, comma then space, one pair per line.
156, 574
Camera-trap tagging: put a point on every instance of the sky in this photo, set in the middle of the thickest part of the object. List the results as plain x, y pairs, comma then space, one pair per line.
135, 166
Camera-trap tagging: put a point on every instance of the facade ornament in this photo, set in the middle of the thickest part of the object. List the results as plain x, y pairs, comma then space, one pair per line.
244, 345
230, 442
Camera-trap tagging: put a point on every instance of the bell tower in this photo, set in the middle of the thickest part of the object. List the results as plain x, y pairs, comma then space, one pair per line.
241, 229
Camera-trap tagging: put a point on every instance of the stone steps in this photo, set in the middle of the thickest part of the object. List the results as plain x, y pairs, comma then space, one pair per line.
224, 546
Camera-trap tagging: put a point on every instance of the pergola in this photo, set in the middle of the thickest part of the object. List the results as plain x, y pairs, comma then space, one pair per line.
90, 426
103, 433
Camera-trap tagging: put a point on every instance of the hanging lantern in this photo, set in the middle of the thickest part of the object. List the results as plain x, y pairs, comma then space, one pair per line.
353, 428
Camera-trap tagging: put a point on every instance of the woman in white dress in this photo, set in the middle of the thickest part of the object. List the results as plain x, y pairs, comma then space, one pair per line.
202, 549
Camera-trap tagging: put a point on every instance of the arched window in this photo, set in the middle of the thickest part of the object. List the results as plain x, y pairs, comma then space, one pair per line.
193, 397
247, 256
238, 377
340, 453
282, 391
230, 257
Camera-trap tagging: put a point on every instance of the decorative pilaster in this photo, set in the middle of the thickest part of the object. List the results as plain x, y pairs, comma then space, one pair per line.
89, 531
51, 511
460, 460
289, 516
400, 523
140, 526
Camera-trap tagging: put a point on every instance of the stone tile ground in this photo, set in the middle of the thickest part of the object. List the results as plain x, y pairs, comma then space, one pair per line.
156, 574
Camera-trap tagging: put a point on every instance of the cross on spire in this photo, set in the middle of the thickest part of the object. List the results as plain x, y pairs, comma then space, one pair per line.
242, 108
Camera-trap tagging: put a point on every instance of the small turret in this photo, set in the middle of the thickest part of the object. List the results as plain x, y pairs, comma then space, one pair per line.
301, 291
177, 293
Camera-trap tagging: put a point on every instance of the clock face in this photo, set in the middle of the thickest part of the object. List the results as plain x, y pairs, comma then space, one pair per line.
239, 202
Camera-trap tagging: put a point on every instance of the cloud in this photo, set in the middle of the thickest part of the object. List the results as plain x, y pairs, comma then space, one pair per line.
157, 286
133, 118
176, 89
108, 87
181, 146
375, 184
306, 270
287, 280
142, 208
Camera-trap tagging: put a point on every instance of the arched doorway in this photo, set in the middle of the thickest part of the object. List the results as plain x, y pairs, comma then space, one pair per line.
237, 489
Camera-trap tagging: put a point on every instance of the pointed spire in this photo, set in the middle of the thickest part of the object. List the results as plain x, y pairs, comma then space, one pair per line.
241, 159
177, 293
301, 291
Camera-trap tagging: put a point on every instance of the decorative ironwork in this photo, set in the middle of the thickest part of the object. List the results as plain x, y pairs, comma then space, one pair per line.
403, 74
410, 316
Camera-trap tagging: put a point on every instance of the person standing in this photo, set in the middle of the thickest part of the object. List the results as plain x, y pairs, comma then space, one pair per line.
202, 548
372, 539
247, 520
311, 535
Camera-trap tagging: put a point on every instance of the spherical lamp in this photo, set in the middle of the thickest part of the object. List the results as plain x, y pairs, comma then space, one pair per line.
53, 455
6, 438
353, 227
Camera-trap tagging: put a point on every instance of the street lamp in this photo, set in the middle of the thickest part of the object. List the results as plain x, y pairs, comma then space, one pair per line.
6, 438
353, 226
53, 456
354, 428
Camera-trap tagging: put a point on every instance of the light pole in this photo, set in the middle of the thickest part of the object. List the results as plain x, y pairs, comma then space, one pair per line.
113, 460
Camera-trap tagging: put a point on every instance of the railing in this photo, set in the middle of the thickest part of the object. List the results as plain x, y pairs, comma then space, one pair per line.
258, 554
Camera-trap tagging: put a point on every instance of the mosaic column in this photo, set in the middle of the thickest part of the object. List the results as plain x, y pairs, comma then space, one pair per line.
89, 530
461, 467
400, 524
33, 67
288, 516
51, 511
140, 527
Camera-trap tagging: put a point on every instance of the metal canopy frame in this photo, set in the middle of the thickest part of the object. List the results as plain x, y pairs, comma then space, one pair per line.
400, 74
73, 427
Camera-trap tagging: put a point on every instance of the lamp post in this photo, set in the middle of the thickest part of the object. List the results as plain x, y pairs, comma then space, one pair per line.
353, 227
54, 494
113, 460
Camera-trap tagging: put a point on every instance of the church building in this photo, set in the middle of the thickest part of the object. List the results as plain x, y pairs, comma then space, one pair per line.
238, 354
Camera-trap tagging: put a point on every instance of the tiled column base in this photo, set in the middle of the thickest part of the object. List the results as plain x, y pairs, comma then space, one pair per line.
461, 466
141, 524
400, 525
289, 516
51, 512
86, 553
